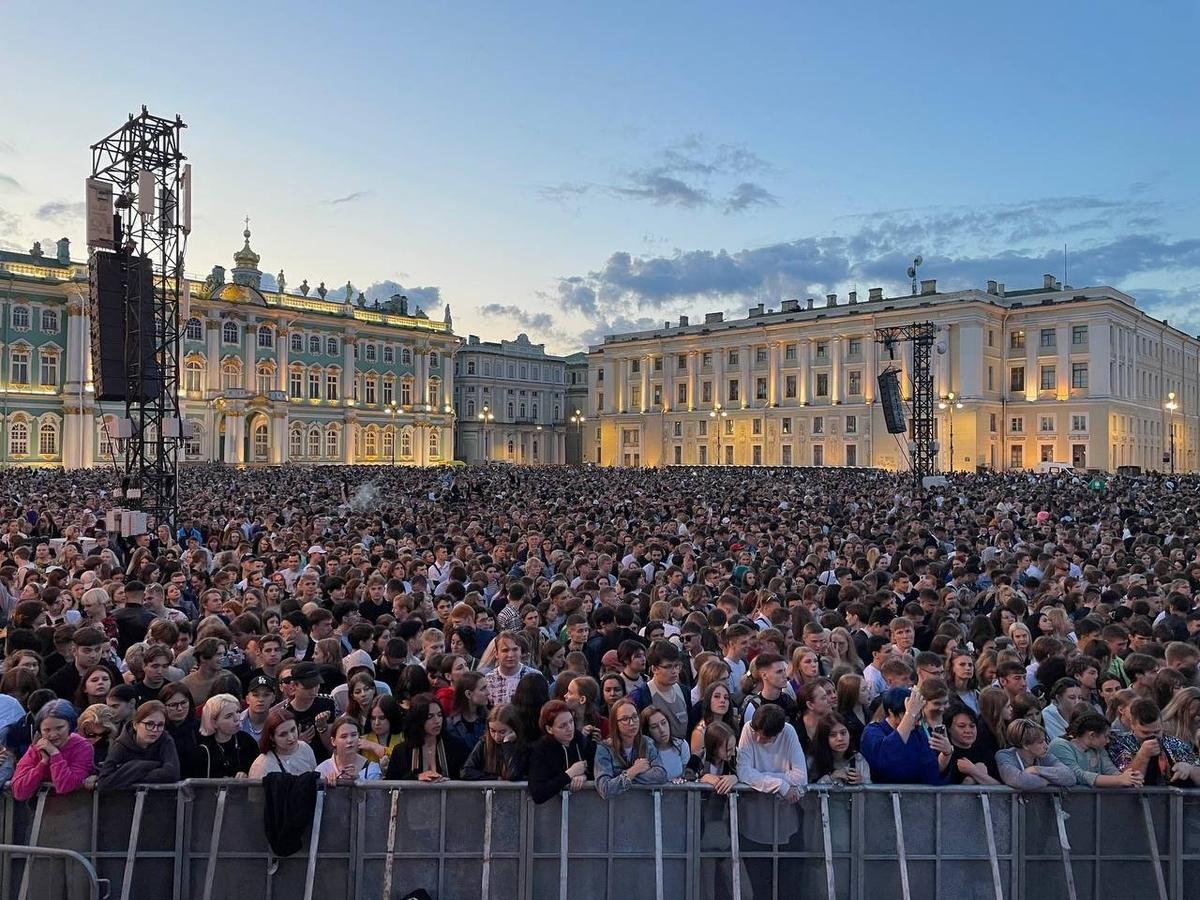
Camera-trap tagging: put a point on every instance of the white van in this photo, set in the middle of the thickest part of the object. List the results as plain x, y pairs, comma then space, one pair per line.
1056, 468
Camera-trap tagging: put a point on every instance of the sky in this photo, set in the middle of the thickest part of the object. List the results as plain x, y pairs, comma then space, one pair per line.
577, 170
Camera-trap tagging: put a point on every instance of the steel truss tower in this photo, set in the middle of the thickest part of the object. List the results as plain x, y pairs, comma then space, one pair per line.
921, 336
146, 149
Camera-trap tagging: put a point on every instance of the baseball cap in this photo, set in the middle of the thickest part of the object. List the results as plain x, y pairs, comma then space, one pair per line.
262, 681
315, 548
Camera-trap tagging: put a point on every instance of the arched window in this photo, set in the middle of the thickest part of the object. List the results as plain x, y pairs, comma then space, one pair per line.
314, 383
192, 445
261, 441
295, 442
435, 443
229, 332
194, 330
434, 359
314, 442
50, 321
314, 344
193, 372
435, 389
371, 442
406, 356
18, 439
523, 411
18, 363
389, 441
406, 391
332, 444
48, 439
266, 337
20, 317
266, 378
331, 346
510, 411
48, 366
406, 443
231, 374
333, 379
296, 342
470, 409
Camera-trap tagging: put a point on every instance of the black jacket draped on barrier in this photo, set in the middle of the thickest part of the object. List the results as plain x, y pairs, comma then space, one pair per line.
288, 809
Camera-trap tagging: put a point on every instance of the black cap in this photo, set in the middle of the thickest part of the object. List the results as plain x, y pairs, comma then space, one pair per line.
262, 681
305, 671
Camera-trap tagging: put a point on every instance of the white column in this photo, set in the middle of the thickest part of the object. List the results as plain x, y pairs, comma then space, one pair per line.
693, 366
282, 347
1100, 361
719, 392
968, 350
773, 391
620, 388
746, 376
1033, 377
348, 373
249, 378
668, 385
805, 352
213, 348
835, 370
1063, 341
870, 349
448, 384
234, 432
279, 439
349, 450
647, 363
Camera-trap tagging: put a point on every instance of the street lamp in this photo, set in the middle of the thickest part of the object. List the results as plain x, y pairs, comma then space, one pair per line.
486, 417
951, 402
538, 456
392, 410
1171, 407
717, 414
577, 420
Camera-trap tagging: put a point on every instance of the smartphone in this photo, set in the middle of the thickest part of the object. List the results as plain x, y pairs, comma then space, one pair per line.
939, 729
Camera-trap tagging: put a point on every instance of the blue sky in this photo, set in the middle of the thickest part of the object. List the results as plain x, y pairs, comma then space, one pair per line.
572, 171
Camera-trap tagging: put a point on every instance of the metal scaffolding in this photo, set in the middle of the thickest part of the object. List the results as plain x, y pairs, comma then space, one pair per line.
923, 444
145, 153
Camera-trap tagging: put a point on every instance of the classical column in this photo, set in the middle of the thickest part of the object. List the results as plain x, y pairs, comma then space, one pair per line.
967, 347
1033, 376
619, 387
693, 365
279, 438
282, 348
647, 362
870, 349
835, 370
773, 391
670, 360
719, 391
212, 371
561, 440
805, 352
76, 435
349, 420
235, 426
1100, 361
1063, 364
348, 373
249, 376
448, 383
746, 375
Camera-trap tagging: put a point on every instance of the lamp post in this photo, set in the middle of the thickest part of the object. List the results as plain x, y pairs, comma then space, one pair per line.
537, 457
717, 414
951, 402
577, 420
1171, 407
486, 417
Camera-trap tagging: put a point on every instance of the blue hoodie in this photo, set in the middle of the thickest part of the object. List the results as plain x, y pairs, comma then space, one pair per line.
894, 761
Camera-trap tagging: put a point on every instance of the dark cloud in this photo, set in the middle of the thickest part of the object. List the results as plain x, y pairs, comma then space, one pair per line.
537, 321
748, 194
7, 181
349, 198
663, 190
61, 211
425, 297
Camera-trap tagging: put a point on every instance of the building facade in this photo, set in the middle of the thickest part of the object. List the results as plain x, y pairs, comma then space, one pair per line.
511, 398
266, 376
1051, 374
576, 408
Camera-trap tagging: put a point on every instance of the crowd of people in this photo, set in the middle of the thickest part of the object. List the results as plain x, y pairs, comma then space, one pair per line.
593, 629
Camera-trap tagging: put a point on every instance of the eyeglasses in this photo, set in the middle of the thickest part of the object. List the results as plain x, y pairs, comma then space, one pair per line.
178, 704
153, 726
627, 720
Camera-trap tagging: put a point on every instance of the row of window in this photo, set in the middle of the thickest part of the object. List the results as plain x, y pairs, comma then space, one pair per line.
532, 372
517, 411
314, 344
20, 318
1016, 424
1047, 377
1048, 337
19, 368
633, 458
317, 443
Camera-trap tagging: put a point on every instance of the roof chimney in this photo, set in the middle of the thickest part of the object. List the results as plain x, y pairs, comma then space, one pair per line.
1058, 285
808, 303
831, 299
991, 286
1048, 282
683, 321
710, 318
64, 251
853, 297
789, 306
929, 286
756, 311
999, 288
874, 294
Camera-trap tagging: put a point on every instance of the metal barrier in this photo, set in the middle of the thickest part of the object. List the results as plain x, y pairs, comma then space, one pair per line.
205, 839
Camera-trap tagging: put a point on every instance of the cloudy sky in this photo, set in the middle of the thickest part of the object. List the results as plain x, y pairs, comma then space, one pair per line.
571, 170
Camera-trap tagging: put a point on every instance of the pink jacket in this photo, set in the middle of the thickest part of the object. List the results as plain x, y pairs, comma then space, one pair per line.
65, 771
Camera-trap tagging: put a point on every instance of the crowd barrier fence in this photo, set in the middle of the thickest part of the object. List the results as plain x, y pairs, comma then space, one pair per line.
205, 839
